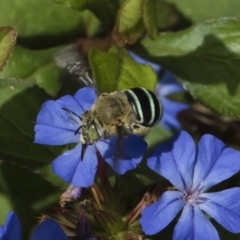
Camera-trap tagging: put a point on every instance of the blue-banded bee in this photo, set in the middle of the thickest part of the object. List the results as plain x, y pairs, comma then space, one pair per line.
119, 113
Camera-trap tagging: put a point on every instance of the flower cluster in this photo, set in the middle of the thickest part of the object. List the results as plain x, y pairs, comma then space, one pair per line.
57, 124
193, 171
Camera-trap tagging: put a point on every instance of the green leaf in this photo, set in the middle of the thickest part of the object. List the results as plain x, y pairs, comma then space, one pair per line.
168, 17
129, 37
90, 23
8, 37
116, 70
105, 10
44, 23
20, 103
129, 15
5, 207
206, 58
35, 66
149, 17
106, 69
129, 26
200, 10
134, 74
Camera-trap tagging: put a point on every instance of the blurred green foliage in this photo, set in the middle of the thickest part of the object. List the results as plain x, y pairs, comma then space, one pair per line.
204, 10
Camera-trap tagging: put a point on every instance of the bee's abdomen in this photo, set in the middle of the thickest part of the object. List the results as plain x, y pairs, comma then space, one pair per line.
146, 105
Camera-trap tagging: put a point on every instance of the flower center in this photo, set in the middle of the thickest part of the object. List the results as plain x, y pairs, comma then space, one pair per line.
191, 197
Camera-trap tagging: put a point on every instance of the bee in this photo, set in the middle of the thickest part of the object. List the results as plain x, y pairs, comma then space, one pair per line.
119, 113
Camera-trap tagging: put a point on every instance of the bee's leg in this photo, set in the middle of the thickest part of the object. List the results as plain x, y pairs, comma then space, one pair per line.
121, 128
139, 129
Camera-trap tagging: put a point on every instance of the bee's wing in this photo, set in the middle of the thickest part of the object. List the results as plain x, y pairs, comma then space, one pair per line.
75, 63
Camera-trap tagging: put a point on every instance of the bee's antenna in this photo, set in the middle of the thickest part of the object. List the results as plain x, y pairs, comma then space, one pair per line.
69, 111
76, 132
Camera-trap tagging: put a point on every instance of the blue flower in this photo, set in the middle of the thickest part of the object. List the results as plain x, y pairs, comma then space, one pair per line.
166, 86
56, 126
193, 171
12, 229
47, 230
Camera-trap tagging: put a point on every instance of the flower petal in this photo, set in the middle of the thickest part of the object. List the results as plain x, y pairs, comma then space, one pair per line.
54, 136
48, 230
171, 109
138, 59
65, 165
86, 97
193, 225
158, 215
71, 104
86, 170
168, 85
224, 207
55, 126
72, 169
175, 161
122, 154
215, 162
12, 228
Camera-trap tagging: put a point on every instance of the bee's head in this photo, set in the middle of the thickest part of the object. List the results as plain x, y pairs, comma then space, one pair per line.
91, 128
